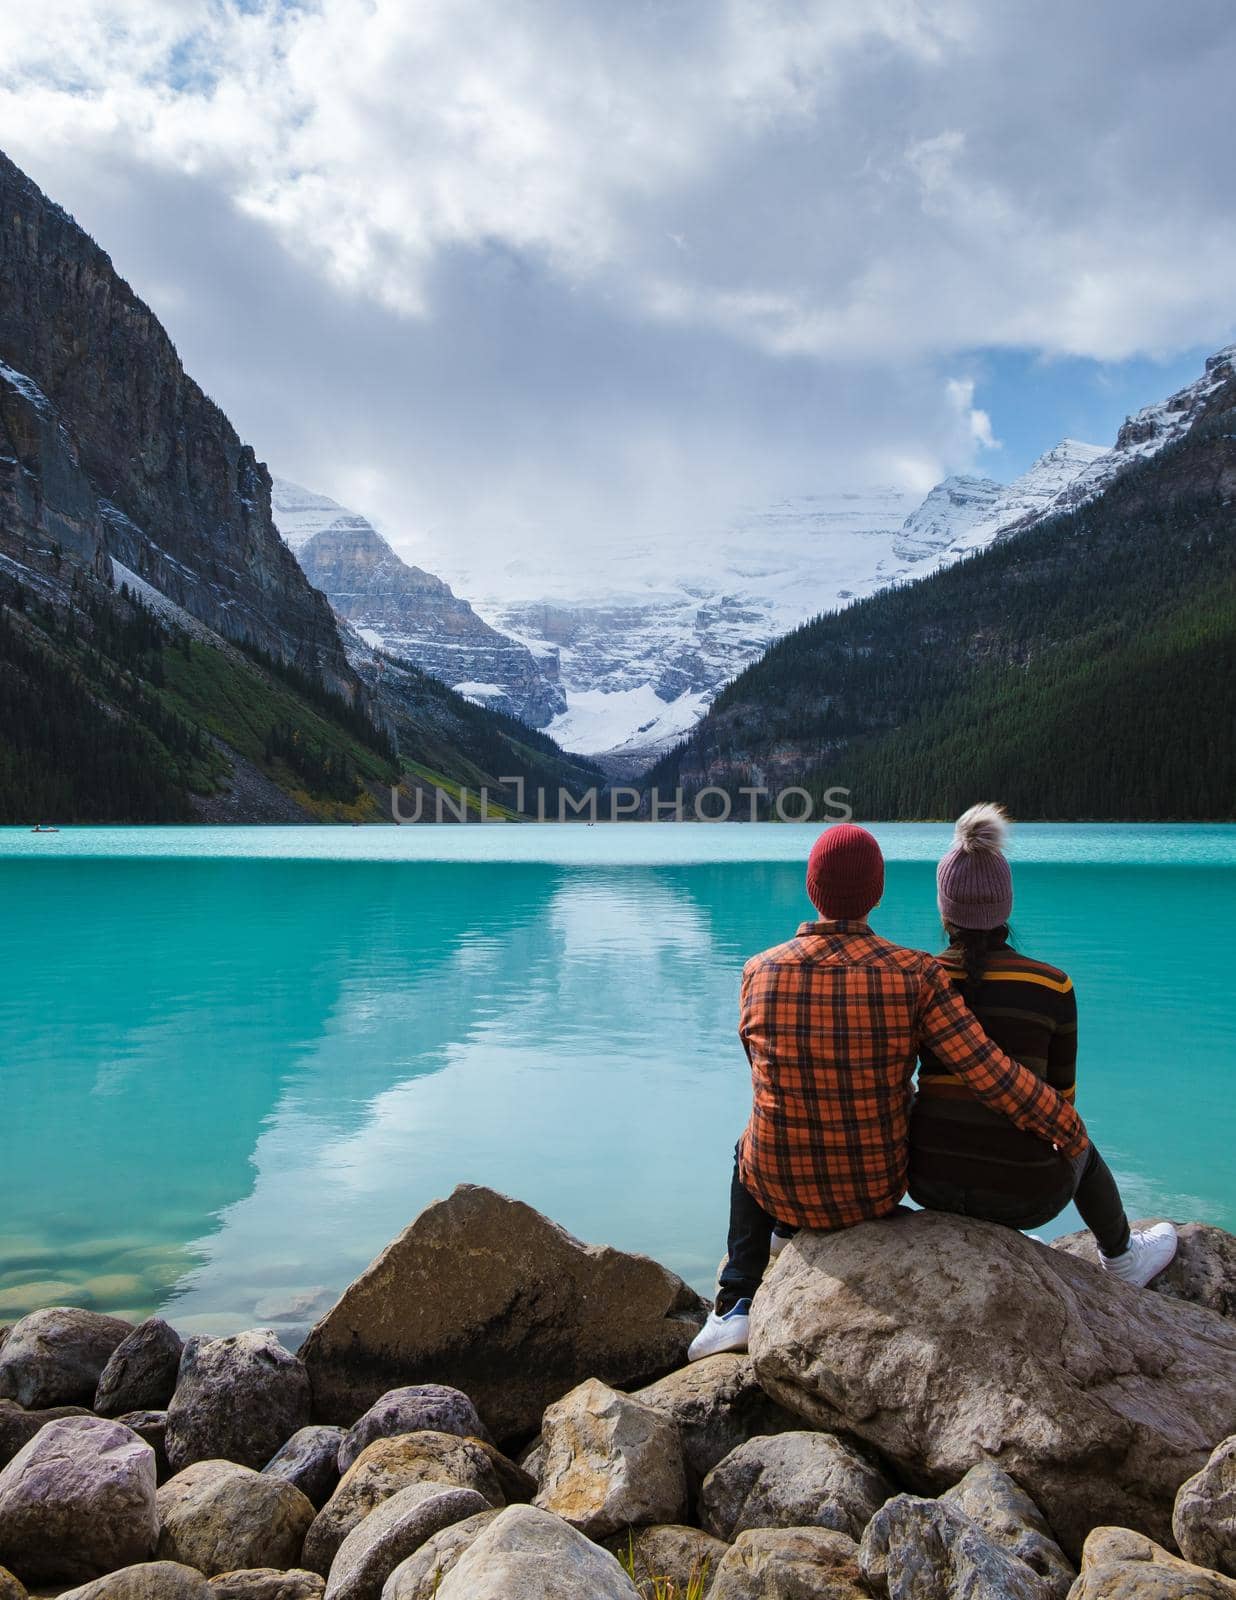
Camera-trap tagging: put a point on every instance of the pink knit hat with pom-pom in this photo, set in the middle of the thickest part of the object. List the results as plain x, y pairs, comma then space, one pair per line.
974, 887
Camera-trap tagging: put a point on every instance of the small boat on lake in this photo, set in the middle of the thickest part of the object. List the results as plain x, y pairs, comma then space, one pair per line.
45, 827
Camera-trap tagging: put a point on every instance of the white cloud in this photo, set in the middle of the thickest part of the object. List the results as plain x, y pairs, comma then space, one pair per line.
568, 262
960, 392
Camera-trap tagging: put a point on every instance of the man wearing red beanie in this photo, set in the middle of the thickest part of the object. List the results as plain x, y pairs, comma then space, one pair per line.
832, 1022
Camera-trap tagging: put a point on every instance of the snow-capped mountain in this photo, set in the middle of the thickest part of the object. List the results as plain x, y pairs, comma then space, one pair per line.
963, 513
636, 648
642, 657
410, 613
1150, 430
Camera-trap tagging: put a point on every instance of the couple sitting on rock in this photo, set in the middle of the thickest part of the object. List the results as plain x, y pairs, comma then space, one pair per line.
834, 1023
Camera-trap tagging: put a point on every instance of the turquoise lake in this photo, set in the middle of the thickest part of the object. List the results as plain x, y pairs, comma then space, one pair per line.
236, 1061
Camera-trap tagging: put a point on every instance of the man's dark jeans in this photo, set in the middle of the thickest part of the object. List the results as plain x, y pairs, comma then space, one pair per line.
748, 1246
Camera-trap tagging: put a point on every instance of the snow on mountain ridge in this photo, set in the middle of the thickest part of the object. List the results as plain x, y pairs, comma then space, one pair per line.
1148, 431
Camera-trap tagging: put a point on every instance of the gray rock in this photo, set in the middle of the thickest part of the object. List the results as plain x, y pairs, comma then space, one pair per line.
267, 1583
789, 1564
141, 1373
237, 1399
419, 619
717, 1405
610, 1462
793, 1480
310, 1460
928, 1550
77, 1501
1009, 1517
484, 1293
157, 446
532, 1458
526, 1554
391, 1533
668, 1557
941, 1340
1120, 1564
419, 1577
1204, 1517
18, 1426
54, 1357
389, 1465
10, 1587
218, 1516
1203, 1272
432, 1407
151, 1426
148, 1580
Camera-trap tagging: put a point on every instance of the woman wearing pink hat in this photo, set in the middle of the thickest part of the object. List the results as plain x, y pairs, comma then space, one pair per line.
965, 1158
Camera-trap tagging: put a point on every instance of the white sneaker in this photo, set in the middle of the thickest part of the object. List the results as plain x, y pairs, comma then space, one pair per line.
724, 1332
1150, 1250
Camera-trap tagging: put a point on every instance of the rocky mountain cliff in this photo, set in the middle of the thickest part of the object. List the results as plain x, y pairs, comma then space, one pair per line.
410, 613
180, 500
162, 655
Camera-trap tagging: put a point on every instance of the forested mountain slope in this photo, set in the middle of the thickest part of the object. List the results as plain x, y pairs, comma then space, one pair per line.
1084, 668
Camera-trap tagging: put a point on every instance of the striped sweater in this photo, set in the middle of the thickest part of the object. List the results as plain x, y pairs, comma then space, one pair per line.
1030, 1010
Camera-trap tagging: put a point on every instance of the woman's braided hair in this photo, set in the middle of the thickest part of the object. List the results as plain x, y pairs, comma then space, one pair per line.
975, 946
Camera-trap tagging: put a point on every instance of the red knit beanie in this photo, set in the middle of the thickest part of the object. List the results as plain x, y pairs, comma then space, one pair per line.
845, 873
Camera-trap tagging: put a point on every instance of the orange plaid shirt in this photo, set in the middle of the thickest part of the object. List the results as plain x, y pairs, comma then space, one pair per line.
832, 1022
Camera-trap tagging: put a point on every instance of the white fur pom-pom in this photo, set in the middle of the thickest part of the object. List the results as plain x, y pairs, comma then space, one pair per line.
983, 827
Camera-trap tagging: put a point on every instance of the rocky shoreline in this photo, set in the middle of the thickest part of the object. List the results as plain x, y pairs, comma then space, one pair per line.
933, 1409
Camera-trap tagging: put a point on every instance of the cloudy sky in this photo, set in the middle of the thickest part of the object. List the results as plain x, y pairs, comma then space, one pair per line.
525, 274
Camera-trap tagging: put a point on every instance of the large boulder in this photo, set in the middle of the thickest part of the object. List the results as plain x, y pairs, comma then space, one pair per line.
610, 1462
237, 1399
943, 1341
267, 1583
1121, 1564
391, 1532
483, 1293
418, 1408
930, 1550
55, 1357
218, 1516
789, 1564
668, 1559
141, 1373
11, 1588
148, 1580
310, 1460
526, 1554
793, 1480
718, 1405
389, 1465
78, 1501
1204, 1517
420, 1575
1009, 1517
1203, 1272
18, 1426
